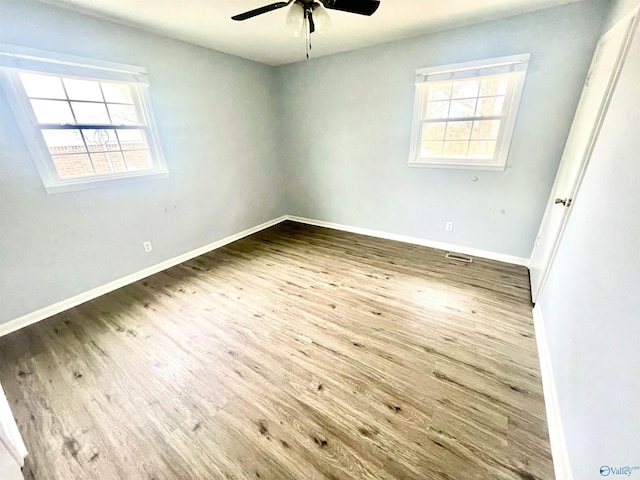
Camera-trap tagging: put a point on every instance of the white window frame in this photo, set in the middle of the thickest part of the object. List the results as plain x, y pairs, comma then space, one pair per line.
16, 59
467, 70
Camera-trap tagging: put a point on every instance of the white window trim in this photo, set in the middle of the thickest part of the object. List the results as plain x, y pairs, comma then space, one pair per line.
14, 59
443, 72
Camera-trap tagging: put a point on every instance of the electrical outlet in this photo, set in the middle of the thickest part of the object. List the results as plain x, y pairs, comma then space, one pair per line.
449, 226
147, 246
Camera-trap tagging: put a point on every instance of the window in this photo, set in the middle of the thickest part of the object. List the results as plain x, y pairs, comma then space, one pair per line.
464, 114
86, 123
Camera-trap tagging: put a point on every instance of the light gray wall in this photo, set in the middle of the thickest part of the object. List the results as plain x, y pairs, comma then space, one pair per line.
590, 301
347, 125
214, 113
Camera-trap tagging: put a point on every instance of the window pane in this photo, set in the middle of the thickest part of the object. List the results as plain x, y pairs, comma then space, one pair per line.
494, 85
138, 160
44, 86
90, 112
490, 106
462, 108
440, 91
52, 111
431, 149
455, 149
433, 131
485, 130
116, 92
83, 89
108, 162
123, 114
100, 140
72, 166
132, 139
482, 149
465, 89
458, 130
437, 110
63, 141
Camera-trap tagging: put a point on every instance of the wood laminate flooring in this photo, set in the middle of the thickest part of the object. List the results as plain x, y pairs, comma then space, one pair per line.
296, 353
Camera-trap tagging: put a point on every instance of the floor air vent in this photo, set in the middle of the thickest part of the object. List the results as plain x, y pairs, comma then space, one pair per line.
459, 257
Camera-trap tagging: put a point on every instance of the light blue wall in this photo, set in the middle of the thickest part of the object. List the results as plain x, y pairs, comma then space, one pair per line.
590, 302
347, 123
245, 143
214, 113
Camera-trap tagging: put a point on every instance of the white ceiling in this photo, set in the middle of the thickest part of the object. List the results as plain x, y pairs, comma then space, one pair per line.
267, 40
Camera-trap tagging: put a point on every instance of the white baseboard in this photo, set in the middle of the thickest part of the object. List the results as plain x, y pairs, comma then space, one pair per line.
561, 462
46, 312
474, 252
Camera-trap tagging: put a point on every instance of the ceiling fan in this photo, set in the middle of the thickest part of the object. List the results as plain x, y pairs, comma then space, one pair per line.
309, 16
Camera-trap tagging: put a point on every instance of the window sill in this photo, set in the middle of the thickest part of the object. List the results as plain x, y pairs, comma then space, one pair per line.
435, 163
88, 183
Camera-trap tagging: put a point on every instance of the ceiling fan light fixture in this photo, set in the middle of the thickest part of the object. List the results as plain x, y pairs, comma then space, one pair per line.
321, 18
295, 19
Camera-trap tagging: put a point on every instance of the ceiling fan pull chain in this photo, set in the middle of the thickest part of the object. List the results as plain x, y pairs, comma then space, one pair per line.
307, 28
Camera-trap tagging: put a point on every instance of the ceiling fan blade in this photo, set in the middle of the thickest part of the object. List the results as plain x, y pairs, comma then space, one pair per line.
361, 7
260, 11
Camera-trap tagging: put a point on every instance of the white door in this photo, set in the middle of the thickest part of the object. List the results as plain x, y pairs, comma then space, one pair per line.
600, 82
12, 449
